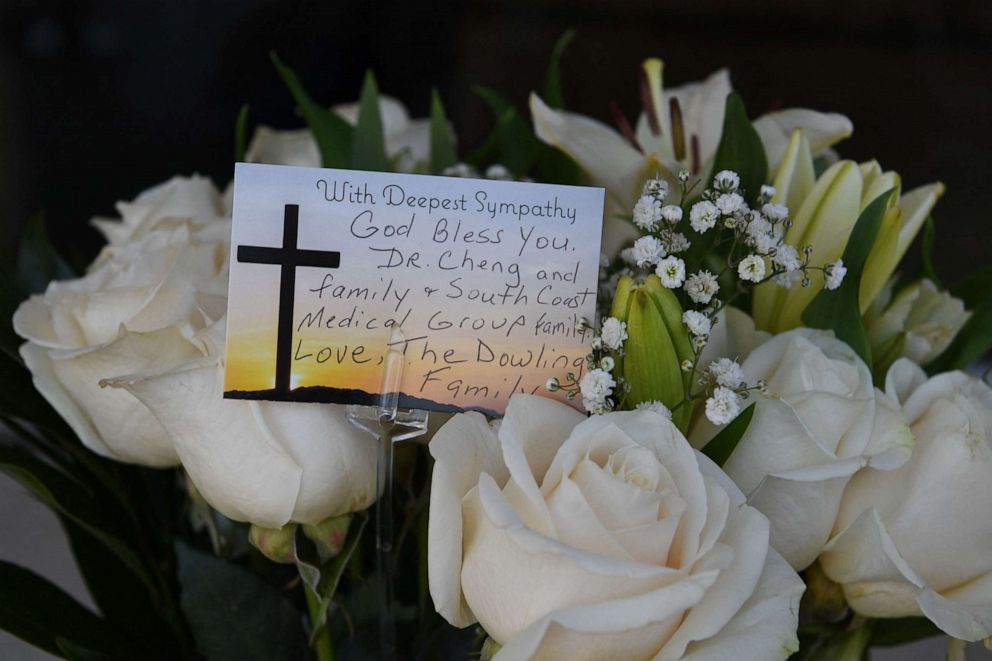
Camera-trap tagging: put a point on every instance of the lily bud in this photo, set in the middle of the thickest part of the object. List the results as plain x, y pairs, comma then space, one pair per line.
276, 544
329, 535
657, 345
918, 323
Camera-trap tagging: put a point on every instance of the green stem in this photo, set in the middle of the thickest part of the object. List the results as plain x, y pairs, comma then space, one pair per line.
322, 643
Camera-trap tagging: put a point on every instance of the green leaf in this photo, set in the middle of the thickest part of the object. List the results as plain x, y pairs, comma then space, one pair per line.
74, 501
241, 134
443, 153
839, 310
556, 167
234, 614
926, 251
722, 445
902, 630
552, 80
121, 597
517, 148
37, 261
740, 149
974, 289
368, 148
42, 614
332, 133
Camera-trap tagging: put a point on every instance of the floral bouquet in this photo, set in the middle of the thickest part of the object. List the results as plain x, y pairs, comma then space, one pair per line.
781, 457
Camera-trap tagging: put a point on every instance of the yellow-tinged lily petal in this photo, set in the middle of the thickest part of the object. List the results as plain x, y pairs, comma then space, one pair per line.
895, 237
796, 176
870, 170
824, 221
823, 129
916, 205
882, 259
886, 181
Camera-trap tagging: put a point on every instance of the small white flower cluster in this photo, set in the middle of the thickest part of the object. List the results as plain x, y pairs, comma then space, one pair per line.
725, 378
597, 386
658, 247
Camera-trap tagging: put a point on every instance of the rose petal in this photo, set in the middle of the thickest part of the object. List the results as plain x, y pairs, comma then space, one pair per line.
463, 448
625, 628
532, 431
232, 459
802, 506
747, 535
126, 426
765, 626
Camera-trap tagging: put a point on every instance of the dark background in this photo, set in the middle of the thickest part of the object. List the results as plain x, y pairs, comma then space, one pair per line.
100, 100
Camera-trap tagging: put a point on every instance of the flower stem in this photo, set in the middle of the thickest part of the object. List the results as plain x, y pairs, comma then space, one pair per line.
322, 643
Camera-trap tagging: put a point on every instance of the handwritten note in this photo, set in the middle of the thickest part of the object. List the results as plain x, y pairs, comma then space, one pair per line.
486, 279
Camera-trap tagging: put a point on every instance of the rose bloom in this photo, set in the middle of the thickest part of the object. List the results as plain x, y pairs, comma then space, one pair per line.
569, 537
147, 318
165, 267
917, 540
819, 422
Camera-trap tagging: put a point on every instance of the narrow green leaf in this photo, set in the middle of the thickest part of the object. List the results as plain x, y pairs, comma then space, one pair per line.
37, 261
556, 167
443, 153
517, 148
40, 613
926, 250
332, 133
234, 614
902, 630
839, 310
552, 80
121, 597
740, 149
71, 499
722, 445
368, 148
241, 134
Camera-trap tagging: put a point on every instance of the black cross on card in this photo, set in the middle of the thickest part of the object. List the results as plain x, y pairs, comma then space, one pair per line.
288, 257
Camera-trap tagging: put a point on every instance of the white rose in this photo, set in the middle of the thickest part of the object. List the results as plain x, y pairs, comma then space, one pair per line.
407, 140
819, 422
569, 537
918, 323
165, 268
918, 539
268, 463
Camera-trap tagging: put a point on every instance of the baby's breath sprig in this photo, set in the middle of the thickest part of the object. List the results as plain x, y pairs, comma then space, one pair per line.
600, 390
752, 242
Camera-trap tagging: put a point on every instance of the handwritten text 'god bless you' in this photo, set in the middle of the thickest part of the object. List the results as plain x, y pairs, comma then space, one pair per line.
465, 251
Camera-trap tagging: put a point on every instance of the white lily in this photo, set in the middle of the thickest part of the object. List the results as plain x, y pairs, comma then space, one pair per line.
824, 211
679, 129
